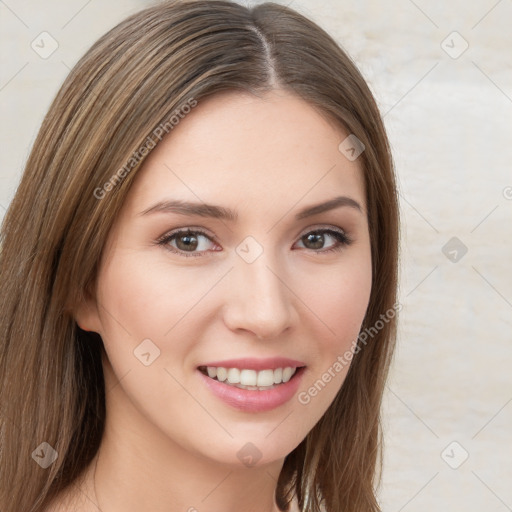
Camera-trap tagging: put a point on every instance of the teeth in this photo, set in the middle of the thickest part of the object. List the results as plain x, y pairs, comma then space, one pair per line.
265, 378
287, 373
222, 374
251, 379
234, 376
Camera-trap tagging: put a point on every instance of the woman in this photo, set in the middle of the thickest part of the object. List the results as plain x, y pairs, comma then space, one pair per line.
198, 274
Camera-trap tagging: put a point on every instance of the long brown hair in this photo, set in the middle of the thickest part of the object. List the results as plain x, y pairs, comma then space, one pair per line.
132, 81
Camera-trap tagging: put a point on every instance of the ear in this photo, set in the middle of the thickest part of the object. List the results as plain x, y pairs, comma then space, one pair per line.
87, 315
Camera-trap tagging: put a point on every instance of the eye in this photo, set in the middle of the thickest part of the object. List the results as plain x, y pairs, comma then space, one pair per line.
315, 240
186, 241
194, 242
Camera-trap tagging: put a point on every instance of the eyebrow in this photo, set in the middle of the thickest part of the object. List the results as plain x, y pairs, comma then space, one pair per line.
220, 212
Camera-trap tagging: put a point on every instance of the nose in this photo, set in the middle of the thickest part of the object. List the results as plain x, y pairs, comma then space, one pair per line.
259, 300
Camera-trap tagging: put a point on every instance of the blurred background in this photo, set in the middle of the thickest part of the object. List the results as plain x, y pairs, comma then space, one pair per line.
442, 75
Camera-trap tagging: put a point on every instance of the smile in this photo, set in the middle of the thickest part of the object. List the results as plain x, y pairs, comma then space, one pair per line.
249, 379
252, 390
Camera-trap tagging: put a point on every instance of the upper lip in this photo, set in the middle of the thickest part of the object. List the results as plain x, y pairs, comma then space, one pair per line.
270, 363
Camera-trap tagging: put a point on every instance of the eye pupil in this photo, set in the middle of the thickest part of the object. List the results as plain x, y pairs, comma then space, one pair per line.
190, 242
317, 240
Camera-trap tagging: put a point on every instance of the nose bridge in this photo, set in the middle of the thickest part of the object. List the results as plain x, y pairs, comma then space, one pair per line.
261, 300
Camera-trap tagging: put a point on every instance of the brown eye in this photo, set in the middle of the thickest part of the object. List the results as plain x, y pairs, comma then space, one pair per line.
315, 240
186, 242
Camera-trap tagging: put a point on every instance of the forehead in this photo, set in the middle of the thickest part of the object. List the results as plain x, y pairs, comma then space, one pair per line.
241, 149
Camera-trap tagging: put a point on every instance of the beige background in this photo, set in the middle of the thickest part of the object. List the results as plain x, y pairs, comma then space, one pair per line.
449, 120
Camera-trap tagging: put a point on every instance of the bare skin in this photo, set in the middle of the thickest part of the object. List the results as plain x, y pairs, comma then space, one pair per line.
170, 444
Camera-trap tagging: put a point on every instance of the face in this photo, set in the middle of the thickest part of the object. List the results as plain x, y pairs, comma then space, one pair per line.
263, 285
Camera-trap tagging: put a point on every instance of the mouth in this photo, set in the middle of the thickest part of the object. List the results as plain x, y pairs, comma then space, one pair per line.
249, 379
253, 385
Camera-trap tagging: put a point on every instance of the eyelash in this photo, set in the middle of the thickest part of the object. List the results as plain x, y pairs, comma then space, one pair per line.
342, 238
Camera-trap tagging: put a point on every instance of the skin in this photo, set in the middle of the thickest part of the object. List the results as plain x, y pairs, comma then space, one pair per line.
170, 444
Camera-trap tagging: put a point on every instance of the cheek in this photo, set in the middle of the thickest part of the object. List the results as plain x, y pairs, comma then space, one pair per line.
343, 303
337, 299
336, 302
146, 316
143, 299
146, 299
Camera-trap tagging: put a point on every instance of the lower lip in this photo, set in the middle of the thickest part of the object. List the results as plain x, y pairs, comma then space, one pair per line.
254, 401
